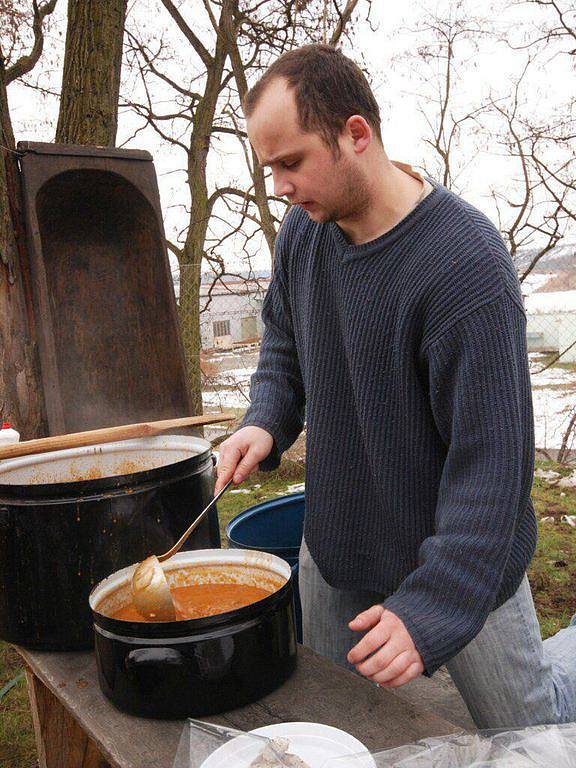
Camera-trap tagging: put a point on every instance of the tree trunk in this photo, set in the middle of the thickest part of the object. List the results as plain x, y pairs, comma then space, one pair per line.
193, 250
21, 398
260, 194
91, 79
190, 275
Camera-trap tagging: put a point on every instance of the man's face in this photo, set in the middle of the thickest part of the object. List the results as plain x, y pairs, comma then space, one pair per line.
304, 168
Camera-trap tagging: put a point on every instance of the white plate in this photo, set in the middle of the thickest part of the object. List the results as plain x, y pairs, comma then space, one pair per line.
312, 742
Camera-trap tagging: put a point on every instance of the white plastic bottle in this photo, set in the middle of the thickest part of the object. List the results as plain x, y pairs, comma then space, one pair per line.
8, 434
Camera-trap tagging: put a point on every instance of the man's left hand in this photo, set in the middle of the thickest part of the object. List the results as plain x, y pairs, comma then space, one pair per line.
386, 654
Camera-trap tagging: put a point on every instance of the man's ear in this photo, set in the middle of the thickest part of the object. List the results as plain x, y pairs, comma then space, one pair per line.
358, 132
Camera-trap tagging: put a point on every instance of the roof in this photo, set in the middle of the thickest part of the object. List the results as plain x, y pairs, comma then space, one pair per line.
237, 287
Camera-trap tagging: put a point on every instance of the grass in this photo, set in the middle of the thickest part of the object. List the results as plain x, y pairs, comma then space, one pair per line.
552, 576
17, 748
552, 572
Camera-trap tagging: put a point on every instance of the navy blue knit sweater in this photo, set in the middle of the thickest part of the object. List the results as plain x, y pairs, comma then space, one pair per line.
408, 355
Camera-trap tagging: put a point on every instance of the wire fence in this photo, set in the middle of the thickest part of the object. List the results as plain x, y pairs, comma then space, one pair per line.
231, 328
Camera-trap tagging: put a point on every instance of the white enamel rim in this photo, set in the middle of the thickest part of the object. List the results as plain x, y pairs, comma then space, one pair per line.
160, 444
321, 746
196, 557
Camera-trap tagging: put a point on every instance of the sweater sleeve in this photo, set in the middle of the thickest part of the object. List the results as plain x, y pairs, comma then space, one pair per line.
481, 403
276, 389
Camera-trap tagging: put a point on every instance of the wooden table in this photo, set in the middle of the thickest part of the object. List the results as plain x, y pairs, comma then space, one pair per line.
77, 727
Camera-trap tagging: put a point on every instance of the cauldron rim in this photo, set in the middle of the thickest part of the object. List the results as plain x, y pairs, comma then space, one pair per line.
180, 630
95, 487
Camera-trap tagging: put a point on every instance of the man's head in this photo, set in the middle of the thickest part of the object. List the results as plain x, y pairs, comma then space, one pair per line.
314, 120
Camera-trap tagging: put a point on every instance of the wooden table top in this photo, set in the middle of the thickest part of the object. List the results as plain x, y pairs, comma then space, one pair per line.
319, 691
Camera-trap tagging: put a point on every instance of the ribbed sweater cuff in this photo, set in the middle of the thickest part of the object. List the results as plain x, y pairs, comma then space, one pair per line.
282, 432
437, 635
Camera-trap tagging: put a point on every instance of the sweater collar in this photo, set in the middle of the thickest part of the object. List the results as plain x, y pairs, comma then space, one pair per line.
350, 251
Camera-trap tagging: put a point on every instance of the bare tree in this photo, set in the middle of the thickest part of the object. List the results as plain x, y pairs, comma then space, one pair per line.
441, 51
535, 211
21, 399
557, 26
244, 37
535, 214
547, 148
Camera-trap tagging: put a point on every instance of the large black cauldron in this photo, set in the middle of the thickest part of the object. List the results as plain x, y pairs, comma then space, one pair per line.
197, 667
70, 518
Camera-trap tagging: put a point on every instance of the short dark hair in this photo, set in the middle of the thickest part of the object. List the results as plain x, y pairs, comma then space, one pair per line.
328, 88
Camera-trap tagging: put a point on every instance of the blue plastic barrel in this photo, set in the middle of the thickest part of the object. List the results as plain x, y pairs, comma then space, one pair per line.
273, 526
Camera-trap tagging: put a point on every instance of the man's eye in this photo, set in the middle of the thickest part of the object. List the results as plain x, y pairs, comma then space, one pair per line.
291, 164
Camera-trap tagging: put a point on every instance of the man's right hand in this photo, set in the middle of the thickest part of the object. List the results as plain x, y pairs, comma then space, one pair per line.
241, 454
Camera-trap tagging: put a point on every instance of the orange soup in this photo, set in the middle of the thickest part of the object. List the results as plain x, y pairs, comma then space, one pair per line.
199, 600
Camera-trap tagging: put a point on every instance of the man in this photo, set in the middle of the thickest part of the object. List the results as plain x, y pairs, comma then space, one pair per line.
395, 318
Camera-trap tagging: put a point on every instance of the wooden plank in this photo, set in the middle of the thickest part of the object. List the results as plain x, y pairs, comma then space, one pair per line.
440, 695
318, 692
82, 150
60, 740
108, 435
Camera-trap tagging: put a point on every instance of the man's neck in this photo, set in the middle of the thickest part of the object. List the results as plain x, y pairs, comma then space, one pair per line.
394, 194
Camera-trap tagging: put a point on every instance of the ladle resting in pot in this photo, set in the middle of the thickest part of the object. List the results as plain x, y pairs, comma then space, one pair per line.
150, 590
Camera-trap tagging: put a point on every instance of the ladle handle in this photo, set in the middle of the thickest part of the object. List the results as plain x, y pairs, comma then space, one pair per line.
194, 525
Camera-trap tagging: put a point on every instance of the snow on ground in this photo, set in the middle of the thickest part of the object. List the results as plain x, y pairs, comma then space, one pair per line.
550, 303
224, 399
229, 389
553, 395
552, 411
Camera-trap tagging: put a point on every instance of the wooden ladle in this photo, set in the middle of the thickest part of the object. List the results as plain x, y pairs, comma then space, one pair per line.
108, 435
150, 590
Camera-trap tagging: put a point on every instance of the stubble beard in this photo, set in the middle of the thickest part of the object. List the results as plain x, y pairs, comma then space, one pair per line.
353, 199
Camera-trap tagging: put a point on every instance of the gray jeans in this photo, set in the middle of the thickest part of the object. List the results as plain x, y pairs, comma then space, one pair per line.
507, 676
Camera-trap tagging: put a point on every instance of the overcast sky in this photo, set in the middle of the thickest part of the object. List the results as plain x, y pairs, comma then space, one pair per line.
398, 88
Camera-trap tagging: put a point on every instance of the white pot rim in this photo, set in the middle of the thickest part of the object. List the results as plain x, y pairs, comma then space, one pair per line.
157, 444
248, 557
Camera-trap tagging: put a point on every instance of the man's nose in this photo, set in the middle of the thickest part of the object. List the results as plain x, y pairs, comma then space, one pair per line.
282, 186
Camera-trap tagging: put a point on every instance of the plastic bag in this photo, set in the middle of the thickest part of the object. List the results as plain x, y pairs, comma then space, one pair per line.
545, 746
549, 746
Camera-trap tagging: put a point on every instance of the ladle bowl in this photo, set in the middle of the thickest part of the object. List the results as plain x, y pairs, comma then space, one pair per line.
150, 590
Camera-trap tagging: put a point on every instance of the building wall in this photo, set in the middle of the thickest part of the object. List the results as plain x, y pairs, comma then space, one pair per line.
542, 331
567, 337
552, 332
232, 307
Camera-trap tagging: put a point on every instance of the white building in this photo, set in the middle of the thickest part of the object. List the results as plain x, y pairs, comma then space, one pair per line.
552, 323
231, 312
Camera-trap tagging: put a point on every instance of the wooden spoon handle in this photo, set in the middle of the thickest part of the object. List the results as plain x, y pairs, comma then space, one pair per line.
108, 435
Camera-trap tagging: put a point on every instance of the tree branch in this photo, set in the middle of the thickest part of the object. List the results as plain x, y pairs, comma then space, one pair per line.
27, 63
194, 41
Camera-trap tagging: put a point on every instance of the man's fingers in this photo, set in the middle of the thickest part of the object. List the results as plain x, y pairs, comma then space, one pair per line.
381, 659
246, 466
395, 668
371, 642
227, 462
367, 619
411, 673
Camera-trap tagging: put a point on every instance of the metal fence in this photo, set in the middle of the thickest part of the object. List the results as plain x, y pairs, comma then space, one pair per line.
231, 329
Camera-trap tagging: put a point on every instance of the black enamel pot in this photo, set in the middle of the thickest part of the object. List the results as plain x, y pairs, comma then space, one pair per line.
197, 667
69, 518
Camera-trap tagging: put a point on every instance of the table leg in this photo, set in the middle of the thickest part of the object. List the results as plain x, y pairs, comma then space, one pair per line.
60, 741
